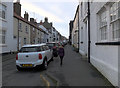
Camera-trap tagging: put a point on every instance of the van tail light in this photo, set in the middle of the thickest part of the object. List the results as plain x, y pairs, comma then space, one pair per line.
40, 56
17, 57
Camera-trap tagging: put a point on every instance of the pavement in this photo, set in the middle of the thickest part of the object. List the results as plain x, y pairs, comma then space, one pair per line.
75, 71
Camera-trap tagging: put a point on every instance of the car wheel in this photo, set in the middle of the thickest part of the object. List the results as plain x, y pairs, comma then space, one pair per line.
52, 58
19, 69
45, 64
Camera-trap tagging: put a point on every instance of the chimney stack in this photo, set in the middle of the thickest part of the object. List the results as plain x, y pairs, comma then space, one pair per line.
26, 16
46, 19
18, 1
41, 22
35, 22
51, 24
17, 7
32, 20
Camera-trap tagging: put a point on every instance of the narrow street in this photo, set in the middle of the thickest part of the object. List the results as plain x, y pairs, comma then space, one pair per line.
75, 71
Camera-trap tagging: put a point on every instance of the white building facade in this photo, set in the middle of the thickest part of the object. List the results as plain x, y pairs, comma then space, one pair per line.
45, 35
6, 27
83, 29
75, 31
104, 36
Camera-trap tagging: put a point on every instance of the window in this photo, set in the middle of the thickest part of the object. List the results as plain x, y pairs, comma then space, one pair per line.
115, 20
20, 26
33, 29
81, 10
2, 36
39, 49
38, 40
47, 48
2, 11
25, 41
103, 25
26, 29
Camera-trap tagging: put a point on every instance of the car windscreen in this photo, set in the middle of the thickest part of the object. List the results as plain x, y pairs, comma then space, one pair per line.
30, 49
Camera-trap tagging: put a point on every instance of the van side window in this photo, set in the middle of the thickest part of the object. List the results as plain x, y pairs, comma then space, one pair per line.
44, 48
47, 48
39, 48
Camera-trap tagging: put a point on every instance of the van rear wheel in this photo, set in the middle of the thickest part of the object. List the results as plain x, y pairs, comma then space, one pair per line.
45, 64
18, 68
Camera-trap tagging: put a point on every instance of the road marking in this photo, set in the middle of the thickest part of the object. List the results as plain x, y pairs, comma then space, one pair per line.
45, 80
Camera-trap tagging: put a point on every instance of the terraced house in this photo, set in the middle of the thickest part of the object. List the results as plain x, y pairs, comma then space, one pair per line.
75, 31
6, 27
25, 31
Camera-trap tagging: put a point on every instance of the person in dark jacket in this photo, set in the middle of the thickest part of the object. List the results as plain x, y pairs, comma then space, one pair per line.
55, 52
61, 54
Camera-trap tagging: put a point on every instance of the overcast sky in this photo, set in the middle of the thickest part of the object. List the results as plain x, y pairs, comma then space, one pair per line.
59, 12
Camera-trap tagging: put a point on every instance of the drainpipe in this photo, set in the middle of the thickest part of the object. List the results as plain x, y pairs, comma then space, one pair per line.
78, 29
18, 38
89, 31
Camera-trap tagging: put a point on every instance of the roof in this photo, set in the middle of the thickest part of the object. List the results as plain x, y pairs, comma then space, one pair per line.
77, 11
33, 45
24, 20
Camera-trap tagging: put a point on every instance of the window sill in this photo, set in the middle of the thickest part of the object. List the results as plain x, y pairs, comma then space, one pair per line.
3, 19
108, 43
3, 45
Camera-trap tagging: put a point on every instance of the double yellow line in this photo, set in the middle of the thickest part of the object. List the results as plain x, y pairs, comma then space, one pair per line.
45, 80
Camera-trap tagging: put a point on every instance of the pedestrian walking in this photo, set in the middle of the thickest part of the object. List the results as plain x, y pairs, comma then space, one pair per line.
61, 54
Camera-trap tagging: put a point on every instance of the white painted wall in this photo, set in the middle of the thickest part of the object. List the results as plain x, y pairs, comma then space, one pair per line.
45, 35
104, 58
8, 25
83, 31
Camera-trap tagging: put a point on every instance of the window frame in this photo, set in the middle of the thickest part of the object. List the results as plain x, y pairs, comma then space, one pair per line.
20, 26
102, 28
3, 35
26, 29
115, 21
5, 10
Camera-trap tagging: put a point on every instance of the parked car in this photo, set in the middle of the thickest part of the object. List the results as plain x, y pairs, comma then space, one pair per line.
54, 47
31, 56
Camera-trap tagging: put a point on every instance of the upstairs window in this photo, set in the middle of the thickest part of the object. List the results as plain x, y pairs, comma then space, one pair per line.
33, 29
25, 41
2, 11
20, 26
26, 29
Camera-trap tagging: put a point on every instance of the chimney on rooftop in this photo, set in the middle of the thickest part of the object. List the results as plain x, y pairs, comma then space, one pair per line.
51, 24
46, 19
32, 20
26, 16
41, 22
17, 7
